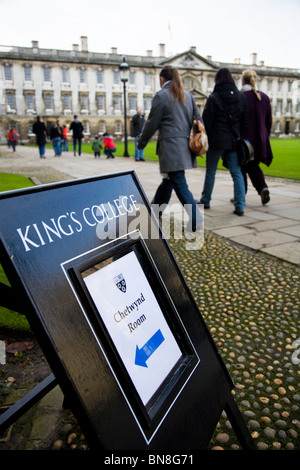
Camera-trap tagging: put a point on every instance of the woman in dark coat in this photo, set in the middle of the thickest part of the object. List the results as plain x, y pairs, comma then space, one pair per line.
172, 115
258, 133
225, 117
40, 130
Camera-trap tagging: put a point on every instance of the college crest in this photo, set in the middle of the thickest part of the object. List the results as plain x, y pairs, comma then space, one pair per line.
120, 282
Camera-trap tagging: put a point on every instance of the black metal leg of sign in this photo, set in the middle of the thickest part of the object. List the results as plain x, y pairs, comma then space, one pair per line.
25, 403
239, 425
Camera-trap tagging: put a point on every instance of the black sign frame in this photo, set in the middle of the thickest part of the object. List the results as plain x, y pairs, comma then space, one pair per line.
33, 268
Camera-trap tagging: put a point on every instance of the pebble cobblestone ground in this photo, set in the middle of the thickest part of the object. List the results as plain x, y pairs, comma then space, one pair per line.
250, 303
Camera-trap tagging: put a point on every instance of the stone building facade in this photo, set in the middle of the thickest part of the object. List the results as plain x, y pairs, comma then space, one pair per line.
59, 83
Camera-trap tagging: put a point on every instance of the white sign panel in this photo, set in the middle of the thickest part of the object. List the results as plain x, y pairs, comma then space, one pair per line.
135, 322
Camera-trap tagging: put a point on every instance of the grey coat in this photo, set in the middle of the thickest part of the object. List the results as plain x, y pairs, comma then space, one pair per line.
173, 122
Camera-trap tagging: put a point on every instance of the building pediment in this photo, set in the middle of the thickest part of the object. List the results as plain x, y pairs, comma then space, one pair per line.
190, 60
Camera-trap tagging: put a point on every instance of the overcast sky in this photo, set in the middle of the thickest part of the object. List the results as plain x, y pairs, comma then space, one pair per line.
223, 29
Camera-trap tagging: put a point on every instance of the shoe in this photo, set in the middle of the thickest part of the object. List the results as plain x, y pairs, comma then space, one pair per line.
206, 206
265, 196
237, 212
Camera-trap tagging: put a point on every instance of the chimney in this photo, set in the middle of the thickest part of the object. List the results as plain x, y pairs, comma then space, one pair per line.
193, 48
253, 58
75, 47
149, 53
84, 43
209, 57
35, 44
161, 49
114, 50
237, 61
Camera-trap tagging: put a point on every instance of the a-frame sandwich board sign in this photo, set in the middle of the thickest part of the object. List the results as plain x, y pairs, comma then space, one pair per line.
113, 314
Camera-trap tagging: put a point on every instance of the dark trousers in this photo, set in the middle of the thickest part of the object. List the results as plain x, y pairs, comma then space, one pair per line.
256, 176
176, 180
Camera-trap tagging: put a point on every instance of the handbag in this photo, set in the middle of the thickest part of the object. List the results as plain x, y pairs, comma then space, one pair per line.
198, 141
245, 151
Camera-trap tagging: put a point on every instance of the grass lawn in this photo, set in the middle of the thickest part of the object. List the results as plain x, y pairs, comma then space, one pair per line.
285, 164
8, 318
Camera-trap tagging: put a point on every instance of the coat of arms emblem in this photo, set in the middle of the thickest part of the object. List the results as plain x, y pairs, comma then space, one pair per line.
120, 282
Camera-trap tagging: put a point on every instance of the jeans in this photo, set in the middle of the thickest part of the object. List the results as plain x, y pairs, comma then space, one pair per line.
212, 159
139, 154
176, 180
42, 149
108, 152
75, 139
64, 145
57, 145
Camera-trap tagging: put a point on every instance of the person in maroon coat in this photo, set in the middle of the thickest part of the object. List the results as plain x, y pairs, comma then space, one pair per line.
258, 133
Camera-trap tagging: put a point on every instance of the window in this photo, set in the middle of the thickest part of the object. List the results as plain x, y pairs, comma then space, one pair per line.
278, 107
82, 74
102, 127
47, 74
100, 102
65, 75
99, 76
29, 100
118, 127
117, 103
116, 77
7, 72
187, 83
27, 73
66, 100
147, 78
86, 127
48, 99
132, 103
84, 102
147, 103
131, 78
10, 100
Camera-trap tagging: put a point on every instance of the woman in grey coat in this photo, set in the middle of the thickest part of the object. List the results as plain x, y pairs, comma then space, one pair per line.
172, 114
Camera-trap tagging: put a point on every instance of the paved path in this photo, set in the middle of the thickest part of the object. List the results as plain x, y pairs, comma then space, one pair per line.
273, 228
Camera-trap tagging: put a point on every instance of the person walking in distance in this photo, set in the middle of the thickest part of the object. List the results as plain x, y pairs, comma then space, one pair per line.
138, 122
77, 128
258, 133
40, 130
172, 115
225, 118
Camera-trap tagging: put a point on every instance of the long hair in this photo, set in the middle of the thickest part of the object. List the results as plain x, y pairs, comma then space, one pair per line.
249, 78
223, 76
176, 87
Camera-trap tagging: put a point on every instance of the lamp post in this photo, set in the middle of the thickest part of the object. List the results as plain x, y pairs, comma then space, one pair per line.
124, 68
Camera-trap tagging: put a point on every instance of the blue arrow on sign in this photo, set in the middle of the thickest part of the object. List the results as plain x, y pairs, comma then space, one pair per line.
142, 355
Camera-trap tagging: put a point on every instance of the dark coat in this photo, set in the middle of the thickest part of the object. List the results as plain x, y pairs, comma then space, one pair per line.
40, 130
77, 128
225, 116
173, 121
259, 127
138, 122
